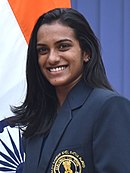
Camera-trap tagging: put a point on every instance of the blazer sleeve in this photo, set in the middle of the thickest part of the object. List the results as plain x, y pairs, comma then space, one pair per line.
111, 137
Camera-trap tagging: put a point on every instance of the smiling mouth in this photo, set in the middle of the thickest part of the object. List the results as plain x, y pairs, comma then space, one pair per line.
56, 69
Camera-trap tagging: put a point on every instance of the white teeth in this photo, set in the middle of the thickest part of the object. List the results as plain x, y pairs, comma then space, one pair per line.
57, 69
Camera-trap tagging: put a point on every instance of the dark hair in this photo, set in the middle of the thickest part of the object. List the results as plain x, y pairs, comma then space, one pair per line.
39, 108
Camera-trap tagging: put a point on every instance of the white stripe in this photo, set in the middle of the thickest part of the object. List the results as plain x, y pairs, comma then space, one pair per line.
12, 60
13, 49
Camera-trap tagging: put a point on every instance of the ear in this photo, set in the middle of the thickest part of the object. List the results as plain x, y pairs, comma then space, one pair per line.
86, 56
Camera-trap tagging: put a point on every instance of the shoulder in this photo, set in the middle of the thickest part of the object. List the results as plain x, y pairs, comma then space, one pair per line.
111, 132
115, 108
113, 117
108, 96
104, 93
106, 100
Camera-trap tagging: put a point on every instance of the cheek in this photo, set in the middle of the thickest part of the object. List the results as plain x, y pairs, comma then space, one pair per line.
78, 61
41, 61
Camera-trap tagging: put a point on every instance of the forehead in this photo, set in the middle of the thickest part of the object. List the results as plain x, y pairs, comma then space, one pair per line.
55, 31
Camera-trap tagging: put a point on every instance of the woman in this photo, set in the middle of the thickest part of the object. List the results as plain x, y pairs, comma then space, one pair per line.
74, 120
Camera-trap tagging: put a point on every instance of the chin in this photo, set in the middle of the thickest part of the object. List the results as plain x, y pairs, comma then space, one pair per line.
57, 83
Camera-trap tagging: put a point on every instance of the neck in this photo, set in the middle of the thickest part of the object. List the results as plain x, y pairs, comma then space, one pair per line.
61, 95
62, 91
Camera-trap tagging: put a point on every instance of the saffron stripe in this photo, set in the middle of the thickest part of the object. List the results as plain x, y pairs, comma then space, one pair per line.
26, 12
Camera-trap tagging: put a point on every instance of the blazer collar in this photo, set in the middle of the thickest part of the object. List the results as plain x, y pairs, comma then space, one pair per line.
78, 95
74, 100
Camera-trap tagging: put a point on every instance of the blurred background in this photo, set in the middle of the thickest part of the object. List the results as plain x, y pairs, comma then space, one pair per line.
111, 22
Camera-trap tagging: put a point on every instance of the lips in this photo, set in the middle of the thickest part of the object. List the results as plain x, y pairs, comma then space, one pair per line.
57, 69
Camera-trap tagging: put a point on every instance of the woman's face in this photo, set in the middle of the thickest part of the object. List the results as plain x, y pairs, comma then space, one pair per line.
60, 57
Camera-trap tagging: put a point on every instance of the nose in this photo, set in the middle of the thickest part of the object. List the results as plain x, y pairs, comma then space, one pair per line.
53, 58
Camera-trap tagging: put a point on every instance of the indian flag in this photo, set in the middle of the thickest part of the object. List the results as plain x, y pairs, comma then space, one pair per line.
17, 18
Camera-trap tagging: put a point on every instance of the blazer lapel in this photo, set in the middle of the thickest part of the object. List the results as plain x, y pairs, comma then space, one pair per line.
62, 120
74, 100
33, 149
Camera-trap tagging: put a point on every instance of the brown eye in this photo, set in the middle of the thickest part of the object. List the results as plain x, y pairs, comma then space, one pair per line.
64, 46
42, 50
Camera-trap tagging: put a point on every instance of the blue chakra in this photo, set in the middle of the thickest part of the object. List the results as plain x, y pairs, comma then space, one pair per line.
13, 161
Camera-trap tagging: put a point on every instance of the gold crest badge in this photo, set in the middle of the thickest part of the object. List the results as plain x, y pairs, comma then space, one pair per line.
67, 162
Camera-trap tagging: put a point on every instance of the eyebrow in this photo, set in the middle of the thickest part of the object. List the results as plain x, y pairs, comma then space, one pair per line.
63, 40
60, 41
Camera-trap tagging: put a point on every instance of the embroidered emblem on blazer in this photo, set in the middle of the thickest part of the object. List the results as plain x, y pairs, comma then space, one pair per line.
67, 162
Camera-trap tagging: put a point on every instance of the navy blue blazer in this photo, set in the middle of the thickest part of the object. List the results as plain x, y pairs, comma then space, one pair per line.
91, 134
